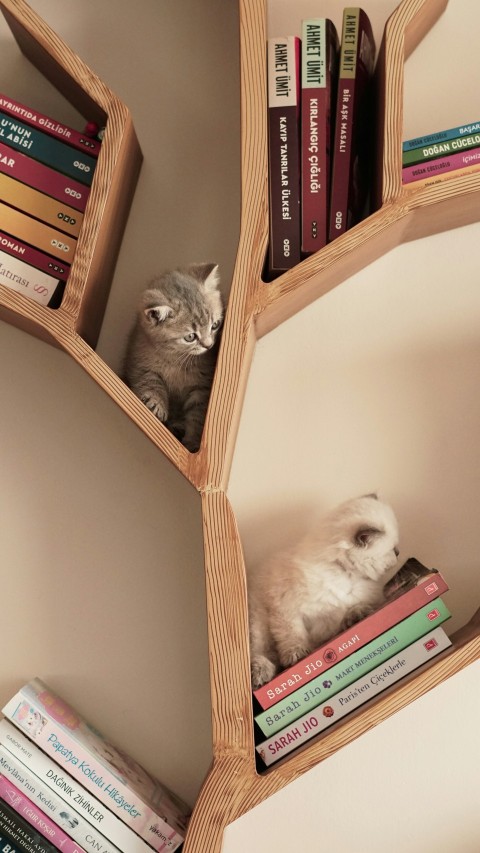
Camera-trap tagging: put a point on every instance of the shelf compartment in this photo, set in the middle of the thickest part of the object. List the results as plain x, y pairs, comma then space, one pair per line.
233, 786
86, 293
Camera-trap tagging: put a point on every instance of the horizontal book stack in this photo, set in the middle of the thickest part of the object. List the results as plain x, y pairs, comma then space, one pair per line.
353, 667
428, 160
46, 171
320, 129
64, 787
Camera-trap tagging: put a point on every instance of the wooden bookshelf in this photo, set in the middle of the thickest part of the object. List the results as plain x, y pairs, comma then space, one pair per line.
255, 308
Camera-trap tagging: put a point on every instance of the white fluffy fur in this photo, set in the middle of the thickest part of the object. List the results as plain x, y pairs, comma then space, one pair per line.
334, 577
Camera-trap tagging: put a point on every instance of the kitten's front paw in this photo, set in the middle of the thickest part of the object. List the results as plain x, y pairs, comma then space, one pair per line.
263, 670
292, 654
356, 614
156, 406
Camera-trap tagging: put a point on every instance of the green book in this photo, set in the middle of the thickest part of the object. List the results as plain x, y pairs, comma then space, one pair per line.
440, 149
352, 668
46, 149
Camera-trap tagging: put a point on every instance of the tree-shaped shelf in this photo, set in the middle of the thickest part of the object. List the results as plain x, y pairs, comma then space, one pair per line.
233, 786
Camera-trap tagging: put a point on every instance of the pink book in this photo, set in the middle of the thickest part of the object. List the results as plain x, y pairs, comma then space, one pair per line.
50, 126
118, 781
431, 168
36, 818
428, 588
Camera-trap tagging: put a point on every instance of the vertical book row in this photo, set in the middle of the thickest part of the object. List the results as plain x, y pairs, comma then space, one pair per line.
321, 138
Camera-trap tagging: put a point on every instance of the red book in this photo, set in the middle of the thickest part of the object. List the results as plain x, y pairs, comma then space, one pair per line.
319, 86
49, 125
283, 71
353, 123
43, 178
41, 260
426, 589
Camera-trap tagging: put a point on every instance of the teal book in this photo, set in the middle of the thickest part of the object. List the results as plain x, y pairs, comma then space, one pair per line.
47, 150
353, 667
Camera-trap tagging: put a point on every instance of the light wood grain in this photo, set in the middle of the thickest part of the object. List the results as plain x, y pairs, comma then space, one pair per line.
111, 193
233, 786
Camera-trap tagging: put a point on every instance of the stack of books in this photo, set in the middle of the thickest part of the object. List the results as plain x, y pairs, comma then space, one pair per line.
353, 667
64, 787
428, 160
46, 171
320, 123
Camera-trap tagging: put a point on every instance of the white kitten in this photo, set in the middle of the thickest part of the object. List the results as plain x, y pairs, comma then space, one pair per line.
334, 577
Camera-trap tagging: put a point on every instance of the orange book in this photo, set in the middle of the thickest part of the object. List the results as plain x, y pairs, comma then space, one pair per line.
40, 206
37, 234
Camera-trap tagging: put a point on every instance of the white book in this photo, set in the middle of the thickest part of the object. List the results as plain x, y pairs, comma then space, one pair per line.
338, 706
40, 770
51, 805
23, 278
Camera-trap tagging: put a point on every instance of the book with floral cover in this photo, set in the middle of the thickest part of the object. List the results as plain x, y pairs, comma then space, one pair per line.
138, 798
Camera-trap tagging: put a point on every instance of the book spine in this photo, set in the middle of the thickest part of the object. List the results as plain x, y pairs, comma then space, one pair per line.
41, 206
6, 844
52, 805
422, 183
38, 145
22, 759
48, 125
441, 136
356, 665
440, 149
24, 836
42, 261
283, 72
43, 178
441, 165
312, 723
36, 818
342, 146
319, 54
22, 278
355, 638
353, 123
85, 768
38, 234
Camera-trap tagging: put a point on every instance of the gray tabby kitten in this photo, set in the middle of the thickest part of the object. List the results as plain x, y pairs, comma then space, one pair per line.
335, 576
171, 352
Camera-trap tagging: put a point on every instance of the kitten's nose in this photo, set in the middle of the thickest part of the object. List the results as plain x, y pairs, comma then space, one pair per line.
396, 552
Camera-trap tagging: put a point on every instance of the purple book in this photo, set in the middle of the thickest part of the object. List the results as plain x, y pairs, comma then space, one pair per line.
353, 123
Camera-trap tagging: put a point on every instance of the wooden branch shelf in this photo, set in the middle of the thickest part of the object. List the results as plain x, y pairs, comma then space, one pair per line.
233, 785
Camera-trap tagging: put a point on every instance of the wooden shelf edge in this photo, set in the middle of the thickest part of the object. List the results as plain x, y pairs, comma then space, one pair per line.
114, 180
233, 786
404, 30
332, 265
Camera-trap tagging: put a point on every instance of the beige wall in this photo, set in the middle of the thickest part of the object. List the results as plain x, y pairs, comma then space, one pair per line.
100, 549
101, 552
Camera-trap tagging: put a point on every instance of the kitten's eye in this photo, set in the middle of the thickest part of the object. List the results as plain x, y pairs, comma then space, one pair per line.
215, 325
190, 337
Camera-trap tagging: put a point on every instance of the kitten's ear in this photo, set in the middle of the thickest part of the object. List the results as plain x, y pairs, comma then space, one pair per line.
366, 535
154, 307
206, 273
157, 314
